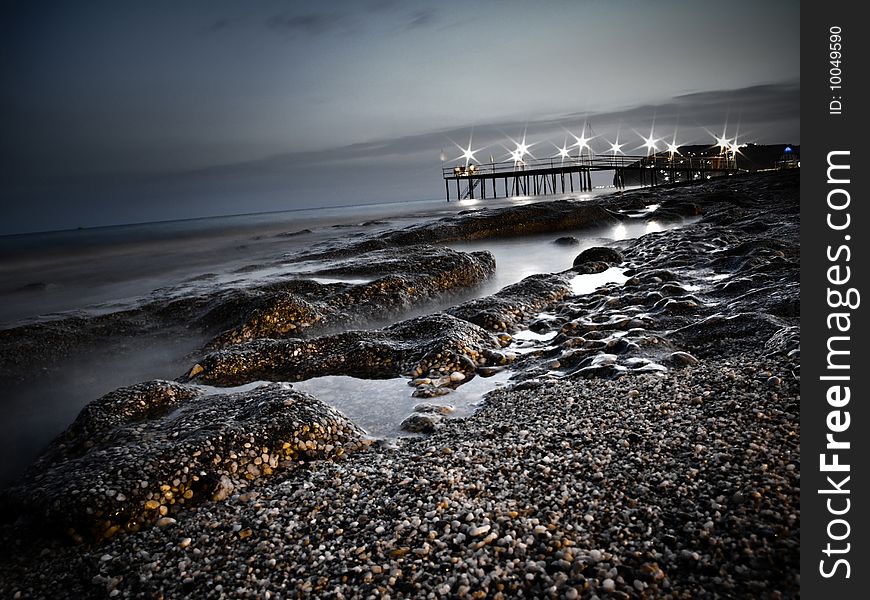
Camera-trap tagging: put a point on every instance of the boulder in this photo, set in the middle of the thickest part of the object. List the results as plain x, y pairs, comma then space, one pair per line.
608, 256
144, 452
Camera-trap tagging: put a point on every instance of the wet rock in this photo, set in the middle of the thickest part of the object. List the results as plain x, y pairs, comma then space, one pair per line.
98, 421
435, 345
190, 449
488, 371
537, 218
609, 256
675, 213
566, 240
403, 278
439, 409
783, 341
427, 390
680, 359
589, 268
717, 329
421, 422
515, 304
280, 314
293, 233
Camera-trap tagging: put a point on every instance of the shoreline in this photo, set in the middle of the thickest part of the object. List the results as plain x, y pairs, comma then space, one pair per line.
545, 488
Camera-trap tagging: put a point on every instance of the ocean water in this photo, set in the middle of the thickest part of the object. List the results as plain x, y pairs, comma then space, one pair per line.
105, 268
47, 275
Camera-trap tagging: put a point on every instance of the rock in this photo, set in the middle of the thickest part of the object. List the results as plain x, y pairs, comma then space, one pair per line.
530, 219
566, 240
98, 421
189, 447
438, 409
609, 256
717, 327
785, 340
514, 304
680, 359
416, 347
488, 371
431, 391
421, 422
403, 277
293, 233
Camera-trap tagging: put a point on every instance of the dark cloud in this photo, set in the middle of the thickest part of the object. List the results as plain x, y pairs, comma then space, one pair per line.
308, 23
219, 25
421, 18
765, 113
381, 6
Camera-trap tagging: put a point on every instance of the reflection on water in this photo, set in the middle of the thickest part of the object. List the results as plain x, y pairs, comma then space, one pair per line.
528, 334
517, 258
328, 280
623, 231
588, 283
380, 405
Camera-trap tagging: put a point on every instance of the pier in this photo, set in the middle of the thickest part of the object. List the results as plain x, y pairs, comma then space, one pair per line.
535, 177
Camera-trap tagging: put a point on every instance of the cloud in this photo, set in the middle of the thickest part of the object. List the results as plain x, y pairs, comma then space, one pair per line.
421, 18
765, 113
219, 25
308, 23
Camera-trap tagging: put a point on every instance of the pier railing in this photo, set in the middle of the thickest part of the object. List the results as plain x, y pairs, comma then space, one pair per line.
538, 176
598, 163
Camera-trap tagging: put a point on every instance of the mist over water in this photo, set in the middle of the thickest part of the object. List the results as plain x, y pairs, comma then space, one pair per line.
36, 411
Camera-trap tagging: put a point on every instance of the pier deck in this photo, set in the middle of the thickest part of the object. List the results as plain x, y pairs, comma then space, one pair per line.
556, 175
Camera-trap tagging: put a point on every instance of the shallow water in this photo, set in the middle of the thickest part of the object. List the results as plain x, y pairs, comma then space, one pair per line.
518, 258
380, 405
362, 400
589, 282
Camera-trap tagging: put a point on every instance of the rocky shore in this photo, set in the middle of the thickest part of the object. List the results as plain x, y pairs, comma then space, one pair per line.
647, 446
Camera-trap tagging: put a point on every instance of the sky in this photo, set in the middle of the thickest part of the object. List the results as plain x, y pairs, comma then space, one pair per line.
119, 111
